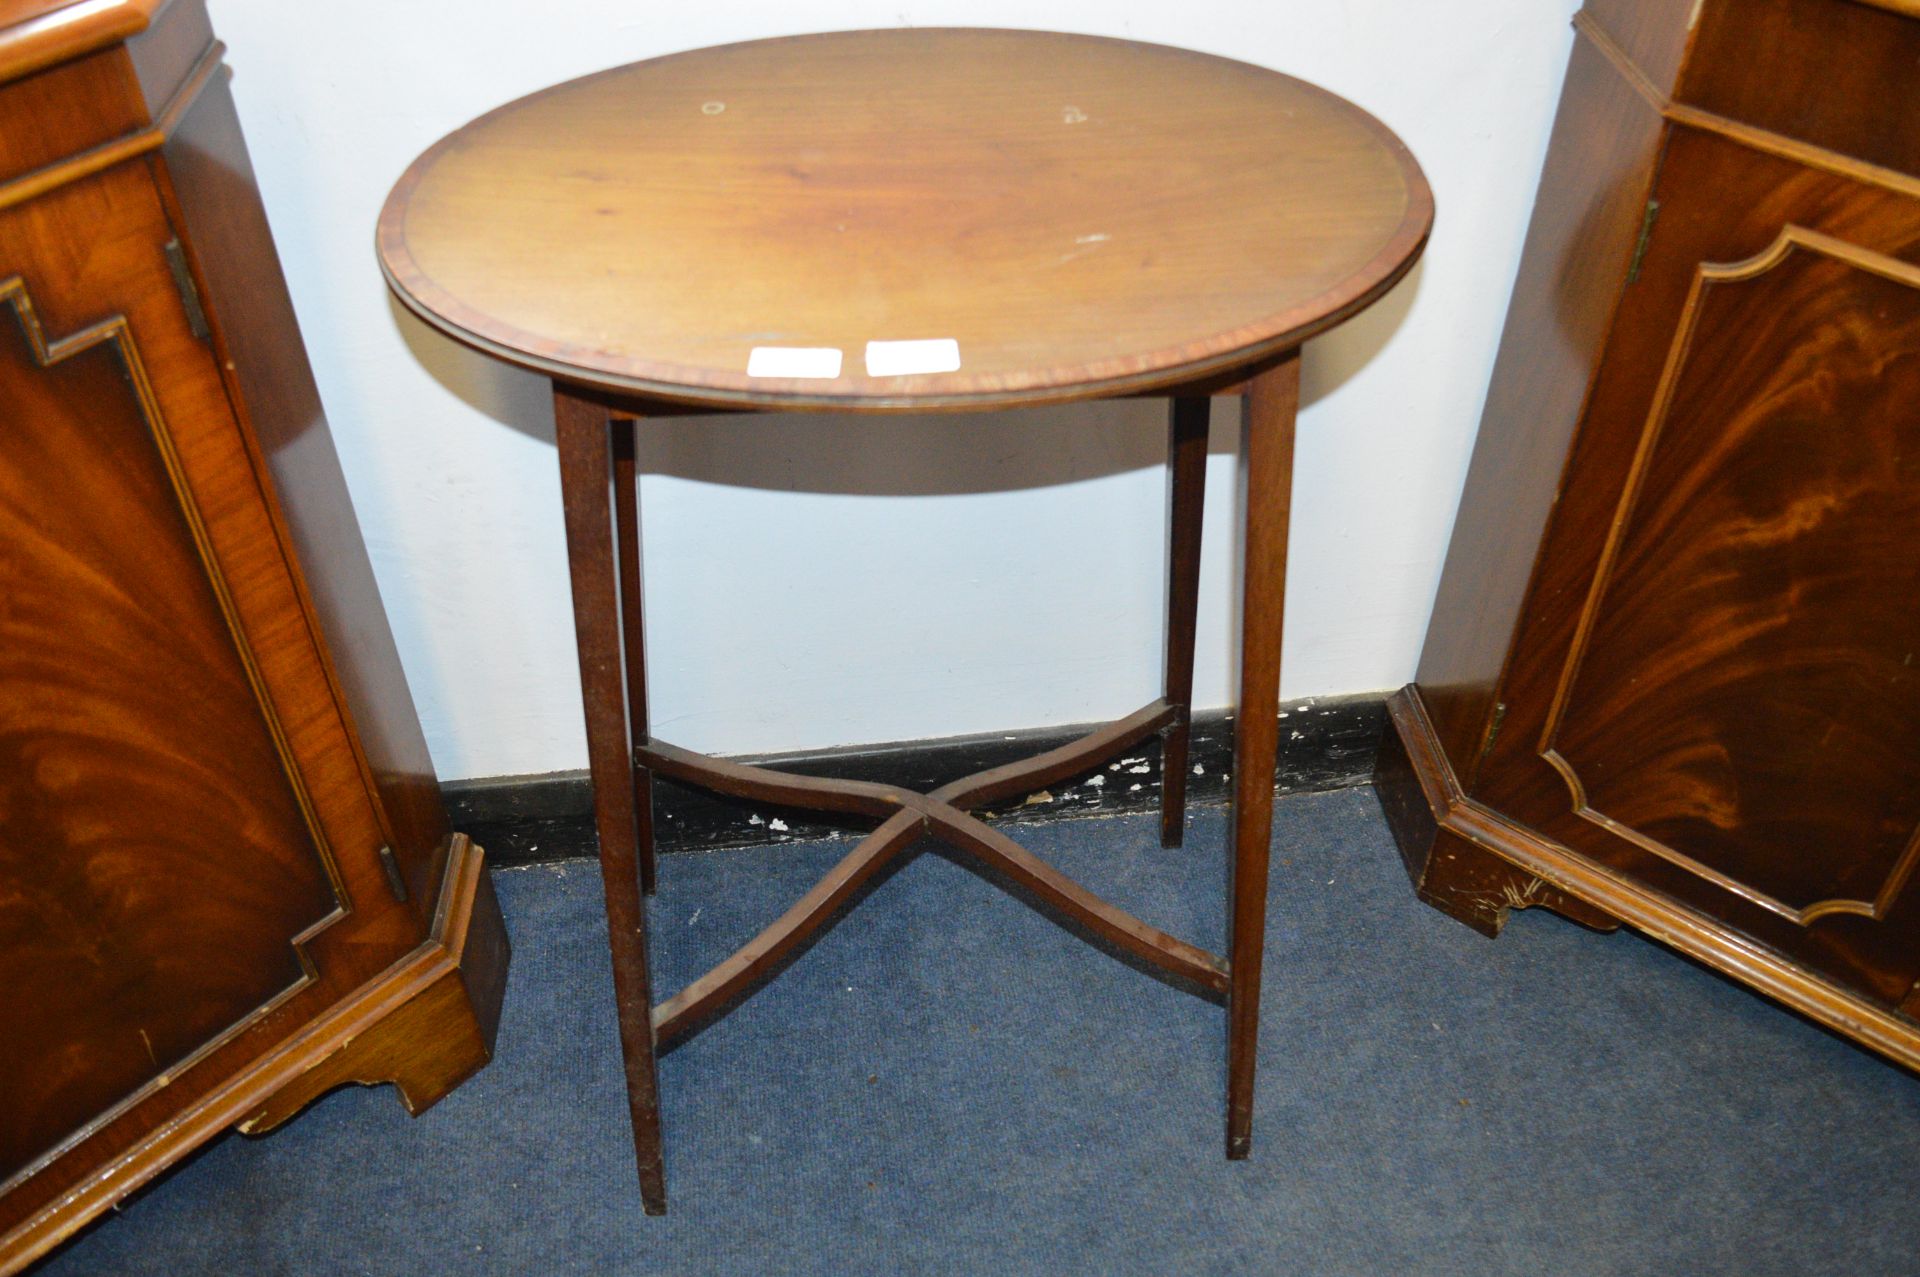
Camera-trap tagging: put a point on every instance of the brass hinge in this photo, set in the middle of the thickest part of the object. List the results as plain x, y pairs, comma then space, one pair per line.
1493, 728
1646, 237
395, 883
189, 291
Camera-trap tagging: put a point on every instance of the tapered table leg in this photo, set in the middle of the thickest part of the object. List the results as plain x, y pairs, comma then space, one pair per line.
626, 513
1187, 489
1266, 458
586, 484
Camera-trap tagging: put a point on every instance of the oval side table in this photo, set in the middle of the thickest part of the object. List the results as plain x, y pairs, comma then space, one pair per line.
912, 221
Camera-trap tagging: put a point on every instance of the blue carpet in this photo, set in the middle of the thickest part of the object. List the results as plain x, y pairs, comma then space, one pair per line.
949, 1084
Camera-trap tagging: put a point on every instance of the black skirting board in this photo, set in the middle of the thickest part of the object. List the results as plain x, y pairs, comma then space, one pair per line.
1325, 743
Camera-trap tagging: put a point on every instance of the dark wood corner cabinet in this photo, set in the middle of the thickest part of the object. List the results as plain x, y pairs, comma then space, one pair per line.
1673, 674
226, 880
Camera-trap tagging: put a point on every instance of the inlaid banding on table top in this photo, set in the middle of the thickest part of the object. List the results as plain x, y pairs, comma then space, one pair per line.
911, 817
1074, 216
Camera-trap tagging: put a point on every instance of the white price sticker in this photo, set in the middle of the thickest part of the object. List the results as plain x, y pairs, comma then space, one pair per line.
821, 362
904, 358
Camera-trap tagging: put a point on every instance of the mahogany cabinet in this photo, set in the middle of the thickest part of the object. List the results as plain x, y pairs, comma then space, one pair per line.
1672, 678
226, 880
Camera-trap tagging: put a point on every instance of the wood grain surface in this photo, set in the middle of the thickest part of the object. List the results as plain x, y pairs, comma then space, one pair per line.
77, 107
1266, 506
586, 481
207, 182
1186, 506
1671, 671
1593, 194
1731, 727
196, 797
1772, 64
1783, 621
37, 33
118, 668
1080, 215
1651, 35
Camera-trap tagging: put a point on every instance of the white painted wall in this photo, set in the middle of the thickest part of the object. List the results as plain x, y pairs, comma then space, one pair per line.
823, 581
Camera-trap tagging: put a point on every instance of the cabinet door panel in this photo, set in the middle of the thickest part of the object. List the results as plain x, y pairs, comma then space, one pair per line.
1743, 692
158, 862
1716, 688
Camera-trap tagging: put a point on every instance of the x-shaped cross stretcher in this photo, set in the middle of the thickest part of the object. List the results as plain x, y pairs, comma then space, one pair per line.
909, 817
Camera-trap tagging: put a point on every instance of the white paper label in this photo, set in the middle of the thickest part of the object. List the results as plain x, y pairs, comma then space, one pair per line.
794, 361
903, 358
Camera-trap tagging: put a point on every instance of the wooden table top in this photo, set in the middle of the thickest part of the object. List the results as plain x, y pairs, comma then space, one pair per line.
1016, 217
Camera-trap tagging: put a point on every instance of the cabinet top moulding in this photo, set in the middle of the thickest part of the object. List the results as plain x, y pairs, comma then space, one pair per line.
1759, 71
1909, 7
35, 34
95, 103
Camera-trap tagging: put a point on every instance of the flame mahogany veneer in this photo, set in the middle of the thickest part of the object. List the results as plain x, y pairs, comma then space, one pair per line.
1673, 673
227, 883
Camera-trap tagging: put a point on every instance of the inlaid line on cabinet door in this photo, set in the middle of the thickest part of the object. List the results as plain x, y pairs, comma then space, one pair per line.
1885, 316
114, 337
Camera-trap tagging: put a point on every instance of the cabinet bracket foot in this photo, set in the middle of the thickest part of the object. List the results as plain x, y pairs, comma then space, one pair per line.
427, 1024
